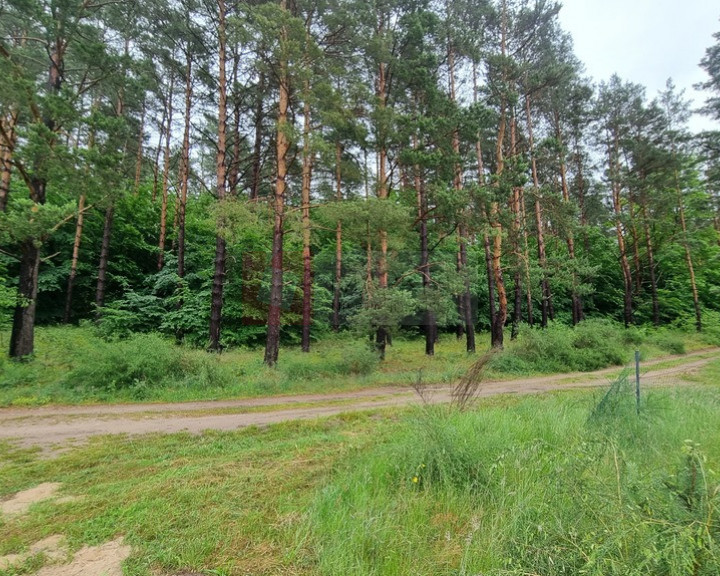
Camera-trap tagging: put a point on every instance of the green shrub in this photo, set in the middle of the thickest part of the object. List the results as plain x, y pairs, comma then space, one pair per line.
668, 341
142, 360
357, 359
591, 345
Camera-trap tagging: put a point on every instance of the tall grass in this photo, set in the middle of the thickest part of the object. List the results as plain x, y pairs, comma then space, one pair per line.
558, 485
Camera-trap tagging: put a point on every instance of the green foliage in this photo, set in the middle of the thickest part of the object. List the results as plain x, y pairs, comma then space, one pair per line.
591, 345
357, 359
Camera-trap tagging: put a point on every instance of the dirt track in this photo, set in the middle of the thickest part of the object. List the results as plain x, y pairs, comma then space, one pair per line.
56, 426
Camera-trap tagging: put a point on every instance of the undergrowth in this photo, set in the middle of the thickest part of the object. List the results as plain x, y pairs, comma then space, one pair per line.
75, 365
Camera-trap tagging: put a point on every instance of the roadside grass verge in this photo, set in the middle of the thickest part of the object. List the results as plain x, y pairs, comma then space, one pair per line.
558, 484
563, 484
230, 502
74, 365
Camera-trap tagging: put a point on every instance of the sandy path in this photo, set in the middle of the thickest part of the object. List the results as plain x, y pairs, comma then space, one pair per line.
55, 426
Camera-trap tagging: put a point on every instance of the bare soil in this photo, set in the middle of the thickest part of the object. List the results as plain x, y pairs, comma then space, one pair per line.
103, 560
20, 503
53, 427
53, 548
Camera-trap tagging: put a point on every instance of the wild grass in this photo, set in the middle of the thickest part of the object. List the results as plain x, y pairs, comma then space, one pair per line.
559, 484
229, 503
75, 365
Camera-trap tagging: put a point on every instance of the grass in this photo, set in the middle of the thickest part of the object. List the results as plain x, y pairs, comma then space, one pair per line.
74, 365
559, 484
229, 501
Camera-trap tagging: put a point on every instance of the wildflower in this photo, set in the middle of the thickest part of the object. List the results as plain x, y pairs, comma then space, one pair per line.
415, 480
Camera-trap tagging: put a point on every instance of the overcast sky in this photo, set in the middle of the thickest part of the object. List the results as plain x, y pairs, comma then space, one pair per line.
645, 41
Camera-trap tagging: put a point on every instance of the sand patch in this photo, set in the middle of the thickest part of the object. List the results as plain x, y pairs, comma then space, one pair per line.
105, 560
52, 547
21, 502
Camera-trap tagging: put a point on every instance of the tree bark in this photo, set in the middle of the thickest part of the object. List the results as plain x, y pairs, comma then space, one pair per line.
139, 156
651, 260
257, 147
166, 177
498, 325
578, 314
617, 208
22, 337
6, 155
219, 273
542, 256
308, 160
272, 344
75, 258
688, 255
381, 336
184, 170
526, 259
338, 240
234, 171
158, 151
486, 236
429, 319
466, 312
517, 281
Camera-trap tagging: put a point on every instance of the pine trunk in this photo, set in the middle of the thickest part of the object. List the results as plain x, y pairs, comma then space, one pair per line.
429, 320
6, 155
688, 256
75, 258
517, 281
234, 172
139, 155
526, 258
184, 171
651, 261
338, 240
465, 308
257, 148
382, 335
272, 344
481, 182
498, 325
308, 158
577, 306
219, 273
22, 337
166, 178
539, 224
625, 265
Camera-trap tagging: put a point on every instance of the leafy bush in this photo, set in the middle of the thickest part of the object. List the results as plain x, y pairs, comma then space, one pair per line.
668, 341
143, 359
591, 345
357, 359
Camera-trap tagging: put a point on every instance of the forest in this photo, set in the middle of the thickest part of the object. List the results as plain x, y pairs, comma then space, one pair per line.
251, 174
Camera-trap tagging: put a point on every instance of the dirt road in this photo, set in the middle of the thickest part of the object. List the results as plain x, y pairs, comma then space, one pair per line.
56, 426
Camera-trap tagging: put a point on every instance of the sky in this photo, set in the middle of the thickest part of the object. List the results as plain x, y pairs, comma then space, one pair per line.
645, 41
